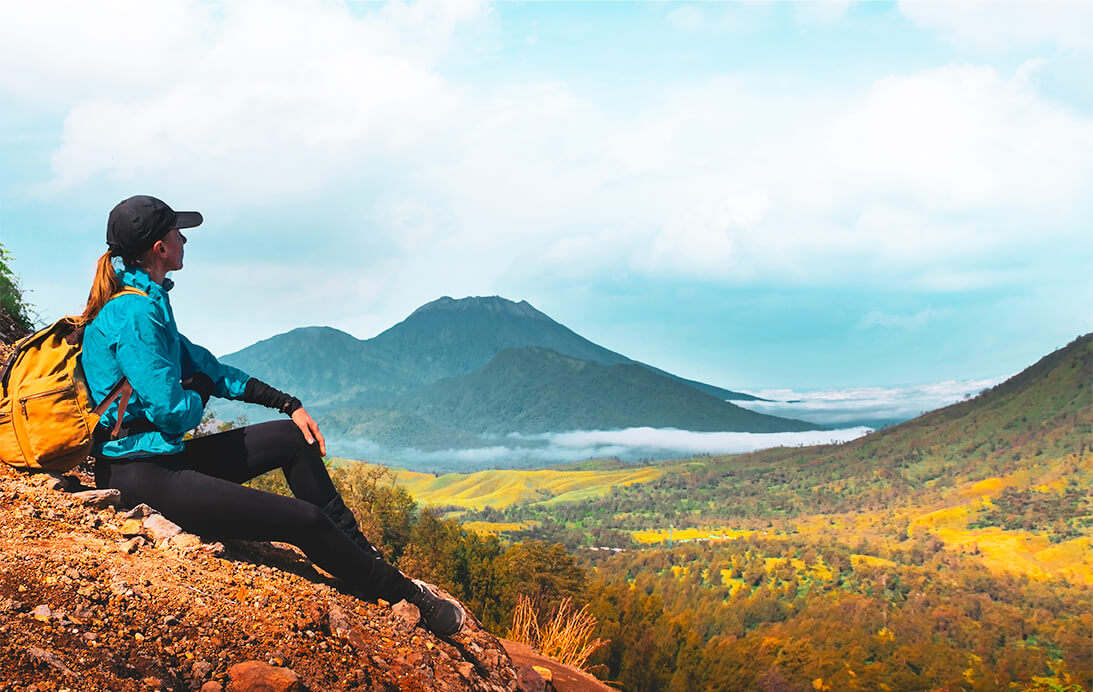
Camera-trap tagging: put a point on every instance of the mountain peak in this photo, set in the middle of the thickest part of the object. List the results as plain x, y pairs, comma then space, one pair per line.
495, 304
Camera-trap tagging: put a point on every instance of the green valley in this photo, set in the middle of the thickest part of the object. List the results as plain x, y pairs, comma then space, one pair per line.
948, 552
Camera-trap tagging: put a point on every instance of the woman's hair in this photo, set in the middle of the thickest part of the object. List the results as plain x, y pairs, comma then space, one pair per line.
105, 285
103, 288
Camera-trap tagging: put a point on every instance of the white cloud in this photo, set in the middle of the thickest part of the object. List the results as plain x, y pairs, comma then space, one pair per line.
854, 405
1002, 25
960, 138
285, 99
921, 178
56, 53
547, 449
687, 18
638, 439
916, 320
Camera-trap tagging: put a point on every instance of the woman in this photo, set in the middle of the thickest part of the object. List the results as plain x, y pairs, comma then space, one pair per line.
197, 483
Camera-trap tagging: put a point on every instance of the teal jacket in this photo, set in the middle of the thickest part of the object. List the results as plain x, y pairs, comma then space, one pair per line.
136, 336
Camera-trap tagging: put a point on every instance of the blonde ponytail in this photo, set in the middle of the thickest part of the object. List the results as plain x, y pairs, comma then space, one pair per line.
105, 286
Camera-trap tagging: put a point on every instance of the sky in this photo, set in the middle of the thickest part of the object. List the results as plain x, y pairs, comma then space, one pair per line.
857, 196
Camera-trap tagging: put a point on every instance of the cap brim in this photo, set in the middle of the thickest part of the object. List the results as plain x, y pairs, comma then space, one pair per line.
187, 219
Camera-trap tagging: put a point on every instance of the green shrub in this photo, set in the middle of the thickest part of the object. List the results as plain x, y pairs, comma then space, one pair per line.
15, 320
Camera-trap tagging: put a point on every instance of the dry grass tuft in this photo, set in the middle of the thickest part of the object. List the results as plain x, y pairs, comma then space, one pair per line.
566, 636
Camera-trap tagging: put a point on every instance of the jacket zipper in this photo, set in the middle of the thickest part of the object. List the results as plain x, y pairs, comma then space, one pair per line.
23, 401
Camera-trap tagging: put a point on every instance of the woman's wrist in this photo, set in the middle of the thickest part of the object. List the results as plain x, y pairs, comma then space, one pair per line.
258, 392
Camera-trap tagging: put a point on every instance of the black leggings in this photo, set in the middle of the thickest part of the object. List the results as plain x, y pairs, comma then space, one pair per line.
200, 489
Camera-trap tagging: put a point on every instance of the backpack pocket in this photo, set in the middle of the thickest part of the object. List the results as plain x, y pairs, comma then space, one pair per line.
55, 422
10, 453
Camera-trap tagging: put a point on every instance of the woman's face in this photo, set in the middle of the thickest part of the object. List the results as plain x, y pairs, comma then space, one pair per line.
173, 244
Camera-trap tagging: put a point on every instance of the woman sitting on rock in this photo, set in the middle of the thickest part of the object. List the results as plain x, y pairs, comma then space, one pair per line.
197, 483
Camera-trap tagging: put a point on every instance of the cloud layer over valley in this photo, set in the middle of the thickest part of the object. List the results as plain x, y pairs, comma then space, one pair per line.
872, 406
632, 445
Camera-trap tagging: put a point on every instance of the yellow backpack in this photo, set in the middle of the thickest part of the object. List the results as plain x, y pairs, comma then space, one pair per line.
46, 418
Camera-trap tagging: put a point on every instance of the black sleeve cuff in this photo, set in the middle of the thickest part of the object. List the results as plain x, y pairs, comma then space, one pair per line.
202, 384
258, 392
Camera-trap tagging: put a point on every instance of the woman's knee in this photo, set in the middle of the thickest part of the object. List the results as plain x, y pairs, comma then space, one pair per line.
309, 524
283, 434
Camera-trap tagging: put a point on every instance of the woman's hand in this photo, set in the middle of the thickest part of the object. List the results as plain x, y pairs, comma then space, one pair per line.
309, 428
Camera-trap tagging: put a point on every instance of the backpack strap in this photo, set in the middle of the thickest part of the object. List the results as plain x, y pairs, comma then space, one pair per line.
122, 390
128, 291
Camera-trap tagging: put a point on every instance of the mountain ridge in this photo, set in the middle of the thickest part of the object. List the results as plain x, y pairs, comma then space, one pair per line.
376, 388
615, 396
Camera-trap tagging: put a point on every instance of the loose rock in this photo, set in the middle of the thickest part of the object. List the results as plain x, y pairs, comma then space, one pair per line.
50, 658
184, 541
356, 639
50, 479
132, 545
252, 676
339, 623
99, 499
131, 527
141, 511
201, 670
406, 612
544, 672
42, 613
530, 680
161, 528
466, 670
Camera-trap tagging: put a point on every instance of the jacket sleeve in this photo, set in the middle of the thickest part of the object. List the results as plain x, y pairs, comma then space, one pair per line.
146, 360
228, 382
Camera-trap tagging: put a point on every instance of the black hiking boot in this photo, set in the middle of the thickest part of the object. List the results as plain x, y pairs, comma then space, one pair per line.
442, 617
343, 518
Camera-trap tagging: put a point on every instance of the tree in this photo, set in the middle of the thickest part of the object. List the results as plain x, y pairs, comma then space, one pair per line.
545, 573
384, 510
15, 320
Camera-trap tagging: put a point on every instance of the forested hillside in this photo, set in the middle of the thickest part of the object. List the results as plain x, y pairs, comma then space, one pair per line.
1034, 429
950, 552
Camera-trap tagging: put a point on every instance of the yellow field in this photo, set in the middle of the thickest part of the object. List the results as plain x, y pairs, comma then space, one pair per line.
1022, 552
691, 534
502, 488
1026, 552
494, 527
870, 561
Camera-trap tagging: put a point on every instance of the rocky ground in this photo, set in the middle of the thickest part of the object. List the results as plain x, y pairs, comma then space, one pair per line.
96, 598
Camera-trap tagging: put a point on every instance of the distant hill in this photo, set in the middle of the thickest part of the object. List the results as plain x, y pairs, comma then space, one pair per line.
327, 368
536, 390
490, 355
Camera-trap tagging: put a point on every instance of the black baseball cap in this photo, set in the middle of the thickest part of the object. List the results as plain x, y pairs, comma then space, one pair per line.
136, 224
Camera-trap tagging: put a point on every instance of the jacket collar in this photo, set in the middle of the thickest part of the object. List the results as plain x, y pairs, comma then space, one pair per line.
138, 278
